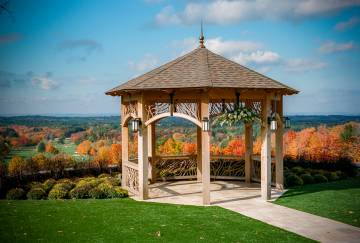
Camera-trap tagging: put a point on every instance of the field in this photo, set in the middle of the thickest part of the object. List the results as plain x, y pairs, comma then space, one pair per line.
119, 220
338, 200
28, 151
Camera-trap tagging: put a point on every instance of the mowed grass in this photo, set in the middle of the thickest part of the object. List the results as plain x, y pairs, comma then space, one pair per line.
125, 220
339, 200
29, 151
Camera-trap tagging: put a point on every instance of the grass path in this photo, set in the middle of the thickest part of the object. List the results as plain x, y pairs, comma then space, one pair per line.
339, 200
126, 220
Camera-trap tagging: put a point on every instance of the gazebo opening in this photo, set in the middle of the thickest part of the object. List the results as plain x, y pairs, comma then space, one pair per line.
199, 87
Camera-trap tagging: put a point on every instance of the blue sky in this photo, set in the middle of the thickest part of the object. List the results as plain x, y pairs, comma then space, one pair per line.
59, 57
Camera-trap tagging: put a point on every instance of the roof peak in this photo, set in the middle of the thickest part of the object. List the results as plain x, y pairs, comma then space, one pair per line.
201, 38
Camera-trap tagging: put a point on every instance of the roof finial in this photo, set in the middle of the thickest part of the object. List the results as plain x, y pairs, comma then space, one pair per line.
201, 38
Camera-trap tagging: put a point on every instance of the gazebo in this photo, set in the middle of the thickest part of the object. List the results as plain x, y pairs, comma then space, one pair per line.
197, 87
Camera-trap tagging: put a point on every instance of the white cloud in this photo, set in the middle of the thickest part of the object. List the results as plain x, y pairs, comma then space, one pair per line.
227, 11
344, 25
331, 46
44, 82
148, 62
258, 57
300, 65
243, 52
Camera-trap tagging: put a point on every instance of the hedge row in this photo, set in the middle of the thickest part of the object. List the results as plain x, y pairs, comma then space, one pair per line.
104, 186
298, 176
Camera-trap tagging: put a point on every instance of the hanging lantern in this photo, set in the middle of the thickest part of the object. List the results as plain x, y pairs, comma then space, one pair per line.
135, 124
273, 124
287, 122
205, 124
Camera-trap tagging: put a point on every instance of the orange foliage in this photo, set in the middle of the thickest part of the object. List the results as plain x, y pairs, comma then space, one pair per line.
84, 147
50, 148
189, 148
115, 153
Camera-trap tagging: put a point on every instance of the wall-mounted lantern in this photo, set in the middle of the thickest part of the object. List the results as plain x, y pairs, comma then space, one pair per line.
287, 122
205, 124
135, 124
273, 123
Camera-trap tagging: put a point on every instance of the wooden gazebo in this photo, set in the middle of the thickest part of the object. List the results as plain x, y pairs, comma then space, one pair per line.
197, 87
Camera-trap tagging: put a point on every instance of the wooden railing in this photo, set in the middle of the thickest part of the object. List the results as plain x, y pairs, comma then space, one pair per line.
168, 167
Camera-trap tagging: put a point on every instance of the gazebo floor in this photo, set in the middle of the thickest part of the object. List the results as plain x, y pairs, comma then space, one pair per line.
189, 192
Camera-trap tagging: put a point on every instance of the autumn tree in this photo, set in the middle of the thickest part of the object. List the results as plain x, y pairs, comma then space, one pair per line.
16, 166
50, 148
84, 147
103, 157
115, 153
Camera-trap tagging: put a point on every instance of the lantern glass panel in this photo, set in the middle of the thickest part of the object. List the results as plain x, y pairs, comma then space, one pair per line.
273, 125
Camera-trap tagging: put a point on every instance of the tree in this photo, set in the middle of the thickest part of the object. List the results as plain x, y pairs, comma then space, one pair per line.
41, 161
84, 147
115, 153
189, 148
41, 147
50, 148
103, 157
17, 166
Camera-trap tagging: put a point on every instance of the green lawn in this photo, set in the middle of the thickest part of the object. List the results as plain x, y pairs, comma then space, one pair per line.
339, 200
27, 152
125, 220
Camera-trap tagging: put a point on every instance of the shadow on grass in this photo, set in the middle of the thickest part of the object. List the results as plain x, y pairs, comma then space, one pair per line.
328, 186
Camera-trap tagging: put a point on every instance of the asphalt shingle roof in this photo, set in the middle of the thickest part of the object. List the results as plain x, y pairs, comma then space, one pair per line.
201, 68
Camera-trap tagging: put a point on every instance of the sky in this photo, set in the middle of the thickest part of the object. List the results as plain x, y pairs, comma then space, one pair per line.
60, 57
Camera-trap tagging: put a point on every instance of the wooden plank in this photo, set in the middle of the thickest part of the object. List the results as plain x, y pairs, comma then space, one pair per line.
265, 149
199, 160
248, 147
279, 147
205, 152
143, 152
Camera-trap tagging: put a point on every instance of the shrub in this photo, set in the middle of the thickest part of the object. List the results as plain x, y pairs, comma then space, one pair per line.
80, 192
34, 184
58, 193
36, 193
104, 175
97, 193
90, 180
112, 181
293, 180
307, 178
331, 176
66, 184
48, 184
297, 170
320, 178
107, 189
341, 175
15, 194
120, 192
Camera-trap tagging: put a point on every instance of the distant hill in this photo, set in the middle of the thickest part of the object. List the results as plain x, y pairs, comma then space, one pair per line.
298, 122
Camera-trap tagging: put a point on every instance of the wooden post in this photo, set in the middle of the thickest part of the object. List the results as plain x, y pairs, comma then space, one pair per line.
152, 152
205, 153
143, 160
198, 154
248, 147
124, 145
279, 146
265, 149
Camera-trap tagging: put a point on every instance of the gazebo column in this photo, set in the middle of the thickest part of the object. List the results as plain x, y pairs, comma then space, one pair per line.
265, 149
198, 154
143, 160
124, 145
248, 147
152, 152
279, 146
205, 153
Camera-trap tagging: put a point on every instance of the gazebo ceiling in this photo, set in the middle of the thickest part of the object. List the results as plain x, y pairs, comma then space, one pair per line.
201, 68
